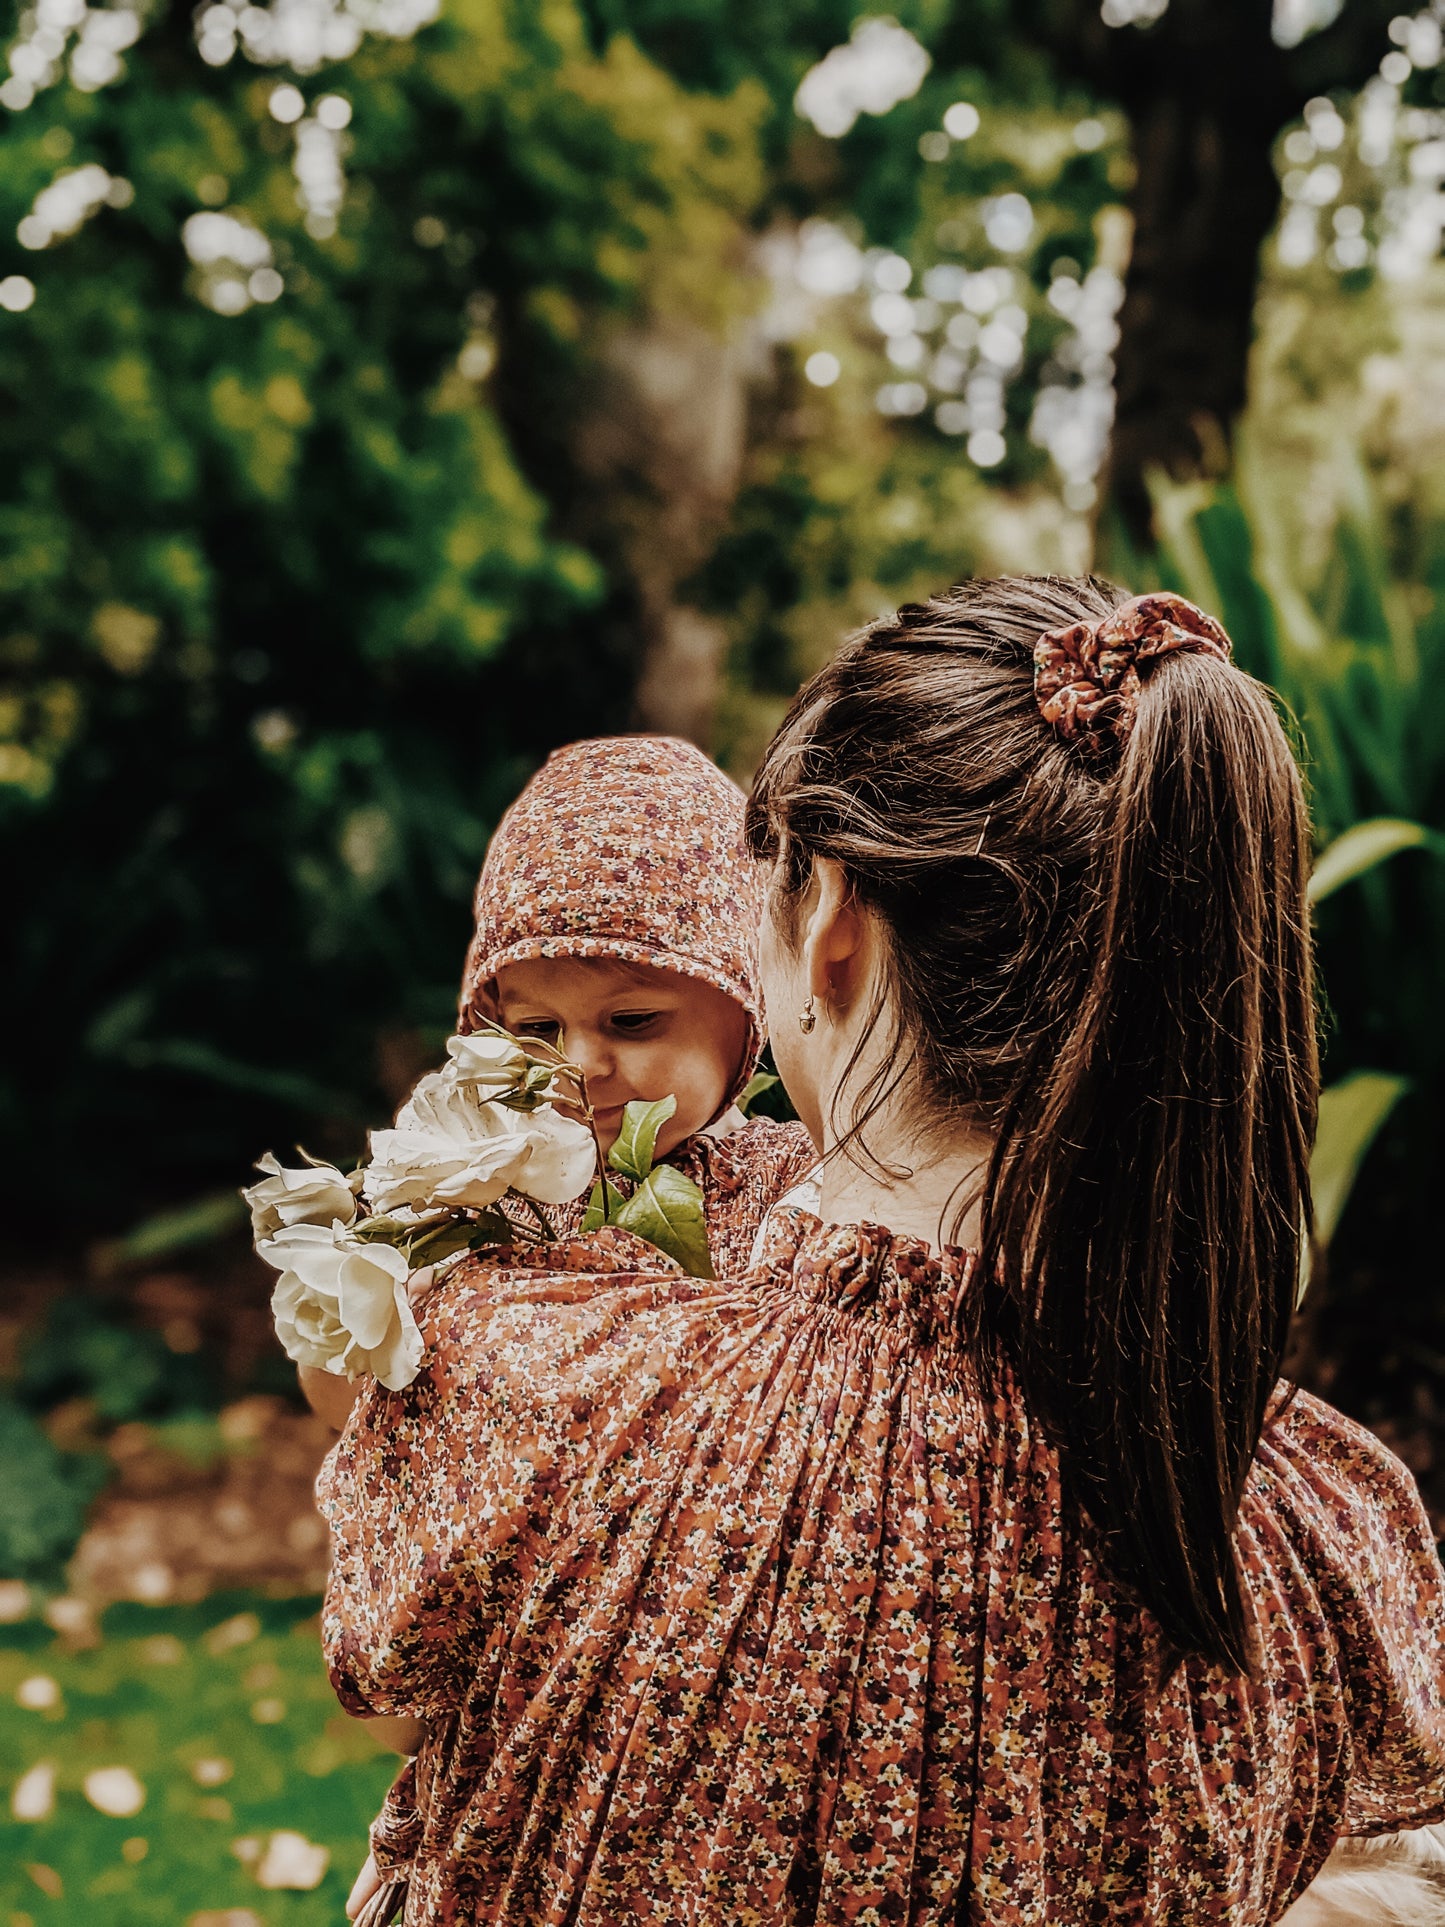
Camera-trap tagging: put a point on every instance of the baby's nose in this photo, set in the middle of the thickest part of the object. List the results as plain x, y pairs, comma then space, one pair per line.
591, 1054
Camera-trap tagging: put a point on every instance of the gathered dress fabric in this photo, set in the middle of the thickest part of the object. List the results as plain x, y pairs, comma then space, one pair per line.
743, 1603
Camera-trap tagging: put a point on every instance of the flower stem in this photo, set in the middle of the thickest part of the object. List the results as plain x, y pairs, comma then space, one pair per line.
597, 1141
549, 1235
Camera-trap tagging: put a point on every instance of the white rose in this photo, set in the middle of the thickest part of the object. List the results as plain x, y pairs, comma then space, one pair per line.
452, 1147
319, 1194
489, 1064
563, 1157
340, 1304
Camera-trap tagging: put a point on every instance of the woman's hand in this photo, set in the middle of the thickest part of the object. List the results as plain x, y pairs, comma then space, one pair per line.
367, 1882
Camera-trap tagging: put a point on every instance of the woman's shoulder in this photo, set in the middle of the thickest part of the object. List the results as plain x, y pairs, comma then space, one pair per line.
1337, 1457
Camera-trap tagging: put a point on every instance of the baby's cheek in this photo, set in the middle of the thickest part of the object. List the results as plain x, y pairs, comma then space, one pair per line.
714, 1073
699, 1081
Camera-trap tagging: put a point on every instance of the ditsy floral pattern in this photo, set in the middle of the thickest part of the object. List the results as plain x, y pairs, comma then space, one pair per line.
740, 1177
1086, 677
623, 847
733, 1604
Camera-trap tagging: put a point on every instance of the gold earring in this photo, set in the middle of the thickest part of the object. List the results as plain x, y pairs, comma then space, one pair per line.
808, 1018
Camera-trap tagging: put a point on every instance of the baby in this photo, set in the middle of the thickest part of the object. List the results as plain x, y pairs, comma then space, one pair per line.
618, 911
617, 916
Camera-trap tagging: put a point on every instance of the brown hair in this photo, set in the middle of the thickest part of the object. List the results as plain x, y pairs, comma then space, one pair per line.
1106, 960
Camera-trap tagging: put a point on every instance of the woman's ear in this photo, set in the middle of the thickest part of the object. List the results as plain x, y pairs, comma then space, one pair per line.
835, 934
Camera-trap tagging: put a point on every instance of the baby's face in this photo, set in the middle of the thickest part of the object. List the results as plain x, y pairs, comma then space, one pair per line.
635, 1032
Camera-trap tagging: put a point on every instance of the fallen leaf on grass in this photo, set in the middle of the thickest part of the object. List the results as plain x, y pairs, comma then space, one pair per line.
34, 1795
114, 1790
293, 1861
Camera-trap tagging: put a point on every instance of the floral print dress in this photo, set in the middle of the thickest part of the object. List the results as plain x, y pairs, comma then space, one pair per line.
740, 1603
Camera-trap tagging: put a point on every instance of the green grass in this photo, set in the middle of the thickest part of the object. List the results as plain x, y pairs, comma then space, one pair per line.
236, 1683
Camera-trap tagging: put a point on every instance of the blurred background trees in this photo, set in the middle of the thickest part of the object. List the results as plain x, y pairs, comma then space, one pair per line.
390, 392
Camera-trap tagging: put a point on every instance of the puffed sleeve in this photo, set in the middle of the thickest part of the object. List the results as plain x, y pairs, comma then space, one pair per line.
440, 1496
1356, 1517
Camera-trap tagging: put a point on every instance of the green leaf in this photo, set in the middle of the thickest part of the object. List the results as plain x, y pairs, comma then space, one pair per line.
491, 1228
666, 1209
759, 1082
534, 1090
1361, 847
594, 1217
43, 1499
1351, 1115
632, 1154
382, 1230
440, 1241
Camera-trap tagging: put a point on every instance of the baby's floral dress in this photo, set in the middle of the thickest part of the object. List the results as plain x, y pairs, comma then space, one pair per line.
741, 1603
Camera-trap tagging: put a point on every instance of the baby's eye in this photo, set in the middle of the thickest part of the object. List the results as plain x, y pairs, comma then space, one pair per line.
633, 1022
544, 1028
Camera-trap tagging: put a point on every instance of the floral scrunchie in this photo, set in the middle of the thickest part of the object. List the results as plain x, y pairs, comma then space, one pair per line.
1086, 677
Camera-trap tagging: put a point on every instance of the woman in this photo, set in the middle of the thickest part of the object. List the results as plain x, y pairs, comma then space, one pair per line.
975, 1569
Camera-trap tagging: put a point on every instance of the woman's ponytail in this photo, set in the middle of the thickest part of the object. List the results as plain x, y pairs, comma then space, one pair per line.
1085, 835
1151, 1183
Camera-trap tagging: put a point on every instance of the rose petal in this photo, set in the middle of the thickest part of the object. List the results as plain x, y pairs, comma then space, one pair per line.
368, 1278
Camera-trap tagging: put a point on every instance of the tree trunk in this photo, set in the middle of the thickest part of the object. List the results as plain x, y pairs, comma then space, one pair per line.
1207, 91
663, 447
1204, 200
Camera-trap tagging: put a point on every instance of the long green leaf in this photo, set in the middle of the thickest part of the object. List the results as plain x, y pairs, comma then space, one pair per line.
594, 1217
632, 1154
168, 1232
1361, 847
1351, 1115
757, 1084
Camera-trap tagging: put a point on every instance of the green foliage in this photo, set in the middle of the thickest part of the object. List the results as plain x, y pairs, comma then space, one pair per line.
288, 606
43, 1497
1357, 658
224, 1715
165, 1233
1352, 1114
666, 1210
758, 1085
1361, 847
84, 1350
663, 1206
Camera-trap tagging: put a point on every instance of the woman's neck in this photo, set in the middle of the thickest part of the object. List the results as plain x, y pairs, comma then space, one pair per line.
941, 1177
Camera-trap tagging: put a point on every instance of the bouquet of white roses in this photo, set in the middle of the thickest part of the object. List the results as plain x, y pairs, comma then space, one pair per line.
477, 1153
